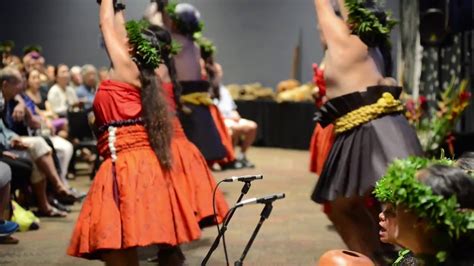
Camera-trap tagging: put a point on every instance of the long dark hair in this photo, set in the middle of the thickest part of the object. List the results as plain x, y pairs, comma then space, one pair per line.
165, 40
375, 41
448, 182
155, 109
211, 72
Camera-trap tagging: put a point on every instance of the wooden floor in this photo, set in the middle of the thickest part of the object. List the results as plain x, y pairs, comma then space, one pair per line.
295, 234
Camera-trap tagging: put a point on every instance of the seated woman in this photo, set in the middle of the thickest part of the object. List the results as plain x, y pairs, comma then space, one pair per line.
428, 209
61, 96
34, 93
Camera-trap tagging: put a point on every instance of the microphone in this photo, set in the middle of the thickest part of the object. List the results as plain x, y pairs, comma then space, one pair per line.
244, 178
265, 199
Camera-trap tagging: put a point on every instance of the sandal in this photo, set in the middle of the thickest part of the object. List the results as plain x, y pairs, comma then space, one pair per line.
56, 204
66, 197
8, 240
52, 213
88, 156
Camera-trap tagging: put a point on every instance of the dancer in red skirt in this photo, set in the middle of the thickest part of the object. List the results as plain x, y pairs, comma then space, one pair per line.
187, 159
323, 138
133, 200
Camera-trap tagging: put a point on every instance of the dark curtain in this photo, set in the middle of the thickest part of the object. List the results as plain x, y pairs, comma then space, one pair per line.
439, 65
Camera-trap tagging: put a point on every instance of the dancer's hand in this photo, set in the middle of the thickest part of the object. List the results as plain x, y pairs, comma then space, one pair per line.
17, 143
10, 155
19, 112
153, 15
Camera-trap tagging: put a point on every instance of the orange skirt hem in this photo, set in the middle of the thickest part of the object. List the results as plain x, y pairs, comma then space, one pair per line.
321, 143
224, 135
149, 210
191, 173
154, 206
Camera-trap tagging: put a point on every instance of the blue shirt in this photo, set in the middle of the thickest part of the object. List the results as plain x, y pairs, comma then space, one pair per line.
86, 94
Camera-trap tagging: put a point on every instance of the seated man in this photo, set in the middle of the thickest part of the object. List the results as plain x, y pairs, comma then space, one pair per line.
243, 131
34, 125
37, 148
86, 91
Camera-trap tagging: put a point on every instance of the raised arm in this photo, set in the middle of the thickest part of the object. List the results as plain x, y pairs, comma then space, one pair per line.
114, 33
153, 14
335, 30
119, 24
343, 9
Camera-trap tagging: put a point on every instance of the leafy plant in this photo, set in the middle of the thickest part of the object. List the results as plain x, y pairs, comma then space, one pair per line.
434, 125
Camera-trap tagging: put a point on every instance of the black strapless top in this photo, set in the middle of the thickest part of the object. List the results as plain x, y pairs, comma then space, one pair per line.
193, 86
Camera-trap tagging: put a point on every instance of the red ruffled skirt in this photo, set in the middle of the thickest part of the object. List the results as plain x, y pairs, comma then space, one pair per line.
191, 173
224, 135
321, 143
153, 206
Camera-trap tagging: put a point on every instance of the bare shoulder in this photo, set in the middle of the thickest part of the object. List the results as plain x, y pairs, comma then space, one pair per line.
130, 76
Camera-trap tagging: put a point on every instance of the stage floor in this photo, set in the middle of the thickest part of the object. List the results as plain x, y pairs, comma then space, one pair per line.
296, 233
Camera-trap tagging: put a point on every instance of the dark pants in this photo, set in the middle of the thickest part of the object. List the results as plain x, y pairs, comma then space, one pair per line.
21, 171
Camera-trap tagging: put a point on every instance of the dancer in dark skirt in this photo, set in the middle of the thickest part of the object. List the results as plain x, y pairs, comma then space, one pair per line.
183, 20
366, 113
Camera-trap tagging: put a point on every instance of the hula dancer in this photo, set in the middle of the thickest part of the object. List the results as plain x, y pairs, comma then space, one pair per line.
183, 21
190, 171
370, 129
133, 200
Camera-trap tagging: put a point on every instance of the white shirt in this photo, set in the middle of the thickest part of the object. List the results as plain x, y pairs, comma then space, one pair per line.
60, 100
226, 104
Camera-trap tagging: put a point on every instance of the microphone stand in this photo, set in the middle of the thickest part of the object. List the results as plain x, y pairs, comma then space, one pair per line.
263, 216
221, 233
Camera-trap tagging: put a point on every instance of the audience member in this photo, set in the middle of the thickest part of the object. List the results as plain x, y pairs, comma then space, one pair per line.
243, 131
51, 75
76, 77
61, 96
427, 210
19, 152
37, 148
7, 228
33, 91
86, 92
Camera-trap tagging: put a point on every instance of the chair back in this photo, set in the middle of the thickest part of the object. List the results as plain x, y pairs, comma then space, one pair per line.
79, 126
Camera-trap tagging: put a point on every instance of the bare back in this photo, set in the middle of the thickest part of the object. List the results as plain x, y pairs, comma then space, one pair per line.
349, 64
350, 70
187, 62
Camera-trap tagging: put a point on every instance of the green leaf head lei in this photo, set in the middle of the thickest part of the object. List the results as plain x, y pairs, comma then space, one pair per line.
371, 25
147, 47
208, 49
